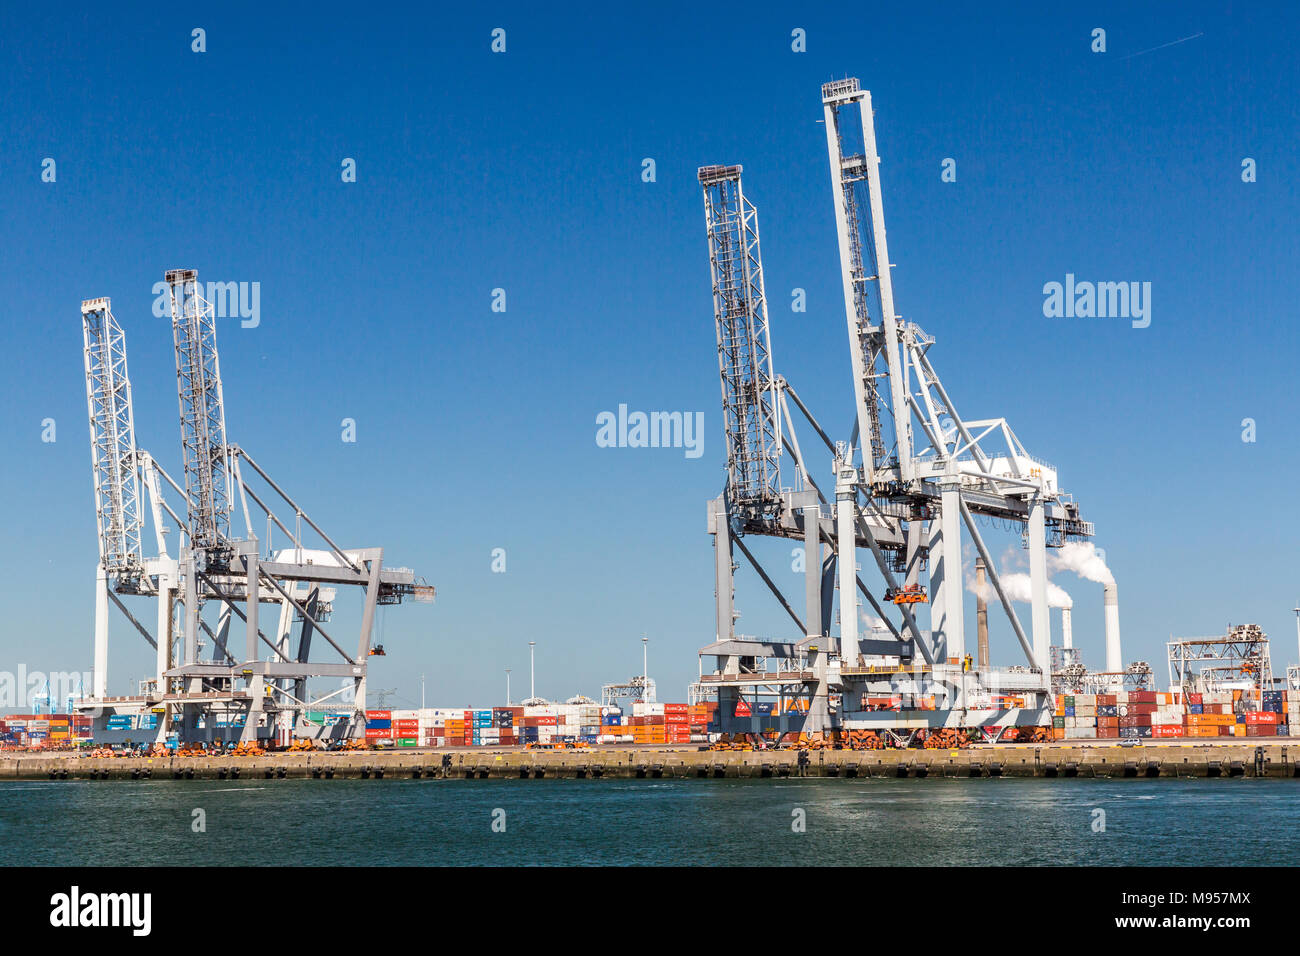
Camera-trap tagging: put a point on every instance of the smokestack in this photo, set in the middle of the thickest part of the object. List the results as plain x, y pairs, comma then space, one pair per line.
1067, 629
981, 613
1114, 660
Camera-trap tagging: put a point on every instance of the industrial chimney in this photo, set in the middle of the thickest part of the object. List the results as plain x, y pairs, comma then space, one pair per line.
981, 614
1067, 629
1114, 659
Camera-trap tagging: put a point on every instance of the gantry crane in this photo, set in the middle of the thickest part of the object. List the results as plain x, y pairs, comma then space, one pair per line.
907, 505
243, 690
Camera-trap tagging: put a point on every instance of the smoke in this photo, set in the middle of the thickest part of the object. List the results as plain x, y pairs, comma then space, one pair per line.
985, 592
1019, 588
872, 622
1083, 558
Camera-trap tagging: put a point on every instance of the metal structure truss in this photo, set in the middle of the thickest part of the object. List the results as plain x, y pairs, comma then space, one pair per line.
638, 688
1237, 661
749, 394
911, 480
112, 443
205, 454
260, 686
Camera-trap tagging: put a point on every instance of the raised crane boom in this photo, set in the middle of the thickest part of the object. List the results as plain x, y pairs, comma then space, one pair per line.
112, 443
864, 269
749, 389
208, 486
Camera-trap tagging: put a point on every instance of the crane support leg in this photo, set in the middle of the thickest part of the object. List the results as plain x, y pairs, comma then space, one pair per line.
1041, 614
166, 609
100, 681
938, 598
954, 601
812, 565
846, 507
724, 574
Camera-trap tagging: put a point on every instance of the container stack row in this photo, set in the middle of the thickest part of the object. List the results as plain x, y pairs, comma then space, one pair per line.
52, 730
1162, 714
539, 724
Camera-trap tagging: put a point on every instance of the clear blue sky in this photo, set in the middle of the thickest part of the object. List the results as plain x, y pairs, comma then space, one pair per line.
521, 170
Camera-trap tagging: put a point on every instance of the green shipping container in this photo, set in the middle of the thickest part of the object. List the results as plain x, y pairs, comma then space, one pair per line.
406, 741
1058, 721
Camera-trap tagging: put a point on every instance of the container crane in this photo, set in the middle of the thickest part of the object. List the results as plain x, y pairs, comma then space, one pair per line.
264, 681
912, 476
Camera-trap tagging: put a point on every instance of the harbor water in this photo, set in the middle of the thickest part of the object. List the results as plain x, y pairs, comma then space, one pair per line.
868, 822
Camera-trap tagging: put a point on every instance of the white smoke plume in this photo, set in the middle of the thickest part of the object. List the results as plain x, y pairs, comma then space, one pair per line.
1083, 558
1019, 588
972, 585
872, 622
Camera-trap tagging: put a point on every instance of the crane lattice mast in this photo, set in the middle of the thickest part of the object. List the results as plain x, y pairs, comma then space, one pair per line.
112, 440
749, 390
203, 418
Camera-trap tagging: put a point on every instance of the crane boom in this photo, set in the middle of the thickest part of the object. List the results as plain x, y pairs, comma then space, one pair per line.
206, 455
112, 442
749, 400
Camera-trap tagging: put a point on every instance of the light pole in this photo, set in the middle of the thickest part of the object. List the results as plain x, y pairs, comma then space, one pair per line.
507, 687
532, 686
645, 658
1297, 624
422, 692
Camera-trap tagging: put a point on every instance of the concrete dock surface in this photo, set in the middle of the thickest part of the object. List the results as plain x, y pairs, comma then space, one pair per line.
1275, 758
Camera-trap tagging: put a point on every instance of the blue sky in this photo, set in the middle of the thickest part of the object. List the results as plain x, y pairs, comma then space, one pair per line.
475, 171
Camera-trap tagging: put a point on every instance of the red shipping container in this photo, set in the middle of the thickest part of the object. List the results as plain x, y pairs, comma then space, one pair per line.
379, 715
1261, 717
372, 734
1141, 697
